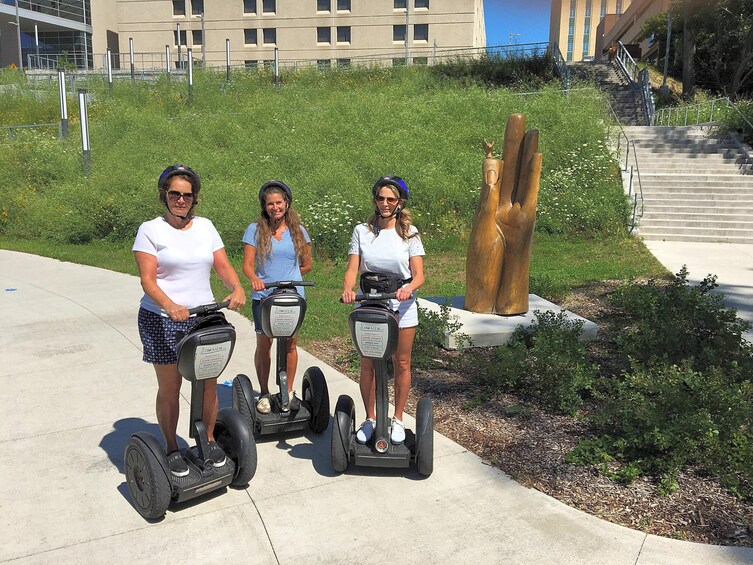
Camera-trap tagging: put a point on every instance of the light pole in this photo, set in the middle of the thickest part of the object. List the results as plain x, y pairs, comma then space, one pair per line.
18, 36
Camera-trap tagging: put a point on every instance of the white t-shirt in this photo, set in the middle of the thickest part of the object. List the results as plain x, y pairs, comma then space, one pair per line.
184, 260
385, 253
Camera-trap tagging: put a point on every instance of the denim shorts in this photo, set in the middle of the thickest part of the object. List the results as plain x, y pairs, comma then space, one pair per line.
158, 336
256, 311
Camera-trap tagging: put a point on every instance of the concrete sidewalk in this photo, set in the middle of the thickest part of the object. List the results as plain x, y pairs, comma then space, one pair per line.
75, 388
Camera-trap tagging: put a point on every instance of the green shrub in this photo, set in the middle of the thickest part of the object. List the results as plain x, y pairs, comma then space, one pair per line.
432, 329
546, 362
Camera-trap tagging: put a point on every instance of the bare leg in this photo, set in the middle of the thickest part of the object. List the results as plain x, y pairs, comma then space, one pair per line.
367, 385
168, 403
209, 415
401, 360
262, 361
292, 361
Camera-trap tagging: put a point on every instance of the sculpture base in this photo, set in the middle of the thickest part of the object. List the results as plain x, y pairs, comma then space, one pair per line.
488, 330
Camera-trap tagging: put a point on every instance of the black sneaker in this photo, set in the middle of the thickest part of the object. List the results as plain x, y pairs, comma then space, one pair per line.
216, 454
176, 464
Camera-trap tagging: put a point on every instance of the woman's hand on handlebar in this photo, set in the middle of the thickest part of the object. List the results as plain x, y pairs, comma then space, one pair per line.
403, 294
257, 284
177, 312
348, 297
237, 298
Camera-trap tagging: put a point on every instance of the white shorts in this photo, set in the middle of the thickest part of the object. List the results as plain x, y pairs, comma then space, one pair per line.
407, 312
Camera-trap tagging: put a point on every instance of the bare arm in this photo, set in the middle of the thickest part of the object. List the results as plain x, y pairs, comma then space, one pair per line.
349, 280
227, 274
417, 273
249, 267
147, 265
307, 262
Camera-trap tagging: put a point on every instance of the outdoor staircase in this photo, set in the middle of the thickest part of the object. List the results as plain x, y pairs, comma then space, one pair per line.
696, 186
626, 101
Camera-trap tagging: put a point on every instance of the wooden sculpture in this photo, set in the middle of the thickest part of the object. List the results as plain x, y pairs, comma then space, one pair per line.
499, 251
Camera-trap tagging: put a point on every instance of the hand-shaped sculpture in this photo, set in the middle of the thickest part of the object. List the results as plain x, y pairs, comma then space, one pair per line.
499, 252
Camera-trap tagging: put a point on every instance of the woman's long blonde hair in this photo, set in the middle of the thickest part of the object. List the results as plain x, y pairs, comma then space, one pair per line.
264, 229
404, 220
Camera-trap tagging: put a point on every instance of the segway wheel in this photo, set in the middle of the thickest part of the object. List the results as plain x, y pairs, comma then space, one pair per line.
343, 428
149, 486
234, 437
425, 437
316, 394
242, 391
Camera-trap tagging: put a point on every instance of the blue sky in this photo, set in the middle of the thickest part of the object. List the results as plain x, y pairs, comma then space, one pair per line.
529, 18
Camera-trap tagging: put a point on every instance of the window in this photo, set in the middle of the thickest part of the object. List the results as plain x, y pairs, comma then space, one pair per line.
323, 64
401, 4
343, 5
196, 37
197, 7
398, 33
179, 7
251, 64
398, 62
268, 6
269, 64
249, 36
182, 37
343, 63
323, 5
249, 7
343, 34
421, 4
269, 35
421, 32
420, 60
324, 35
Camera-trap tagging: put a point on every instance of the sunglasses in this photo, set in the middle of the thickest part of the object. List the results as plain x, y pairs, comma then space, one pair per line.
387, 199
175, 195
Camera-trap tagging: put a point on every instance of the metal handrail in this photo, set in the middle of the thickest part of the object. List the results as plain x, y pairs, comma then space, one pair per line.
560, 66
636, 195
638, 78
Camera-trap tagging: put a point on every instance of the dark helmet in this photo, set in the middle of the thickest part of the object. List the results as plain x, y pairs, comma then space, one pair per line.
173, 170
284, 188
397, 182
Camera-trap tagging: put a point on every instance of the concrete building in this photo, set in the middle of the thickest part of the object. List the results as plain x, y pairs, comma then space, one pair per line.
584, 29
323, 31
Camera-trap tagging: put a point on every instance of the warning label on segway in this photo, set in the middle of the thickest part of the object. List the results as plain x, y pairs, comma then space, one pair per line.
371, 339
211, 360
284, 320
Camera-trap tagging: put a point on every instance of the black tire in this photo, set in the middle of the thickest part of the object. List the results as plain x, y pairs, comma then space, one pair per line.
237, 441
316, 393
147, 482
343, 428
425, 437
246, 408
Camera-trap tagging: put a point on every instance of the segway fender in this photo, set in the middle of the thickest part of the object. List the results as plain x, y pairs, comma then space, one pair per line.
240, 436
248, 391
153, 444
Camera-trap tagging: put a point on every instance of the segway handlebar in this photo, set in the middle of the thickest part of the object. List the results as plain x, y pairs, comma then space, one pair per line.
209, 308
376, 296
287, 284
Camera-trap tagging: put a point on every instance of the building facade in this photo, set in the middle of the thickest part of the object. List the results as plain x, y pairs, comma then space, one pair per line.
326, 32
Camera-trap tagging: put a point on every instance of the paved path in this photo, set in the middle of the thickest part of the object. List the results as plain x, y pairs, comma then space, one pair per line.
74, 389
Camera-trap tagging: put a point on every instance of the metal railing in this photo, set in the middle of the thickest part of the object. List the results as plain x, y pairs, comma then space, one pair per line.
560, 66
12, 129
633, 172
637, 77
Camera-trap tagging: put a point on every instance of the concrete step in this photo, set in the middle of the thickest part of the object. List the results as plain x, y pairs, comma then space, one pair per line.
694, 237
729, 178
694, 200
661, 216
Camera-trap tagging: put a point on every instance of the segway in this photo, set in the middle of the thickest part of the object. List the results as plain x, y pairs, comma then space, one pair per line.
203, 353
374, 328
282, 314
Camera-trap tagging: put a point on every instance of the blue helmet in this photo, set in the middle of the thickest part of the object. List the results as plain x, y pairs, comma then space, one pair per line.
397, 182
173, 170
287, 192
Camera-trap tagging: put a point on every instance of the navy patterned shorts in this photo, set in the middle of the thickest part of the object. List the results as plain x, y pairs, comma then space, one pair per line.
158, 336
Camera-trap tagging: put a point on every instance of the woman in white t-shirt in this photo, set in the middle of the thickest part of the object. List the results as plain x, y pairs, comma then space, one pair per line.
175, 254
388, 243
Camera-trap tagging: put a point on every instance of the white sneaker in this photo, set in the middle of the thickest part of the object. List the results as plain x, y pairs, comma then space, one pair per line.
397, 431
263, 406
365, 431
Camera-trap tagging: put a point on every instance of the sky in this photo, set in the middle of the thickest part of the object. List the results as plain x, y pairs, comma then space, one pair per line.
529, 18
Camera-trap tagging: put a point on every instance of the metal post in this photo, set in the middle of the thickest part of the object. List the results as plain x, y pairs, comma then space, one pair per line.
190, 75
227, 59
18, 36
666, 51
434, 53
109, 68
167, 59
203, 42
277, 66
63, 103
85, 147
180, 61
407, 32
36, 44
130, 53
